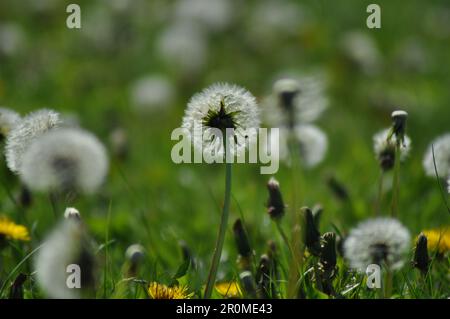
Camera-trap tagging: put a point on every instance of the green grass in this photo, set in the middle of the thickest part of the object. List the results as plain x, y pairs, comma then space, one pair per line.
148, 199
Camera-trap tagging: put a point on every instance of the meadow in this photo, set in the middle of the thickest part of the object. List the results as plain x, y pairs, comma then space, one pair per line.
127, 76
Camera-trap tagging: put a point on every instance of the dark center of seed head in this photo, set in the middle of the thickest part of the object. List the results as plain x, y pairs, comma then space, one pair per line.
379, 252
220, 119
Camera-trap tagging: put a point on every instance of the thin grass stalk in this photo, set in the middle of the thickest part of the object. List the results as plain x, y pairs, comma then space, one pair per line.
396, 182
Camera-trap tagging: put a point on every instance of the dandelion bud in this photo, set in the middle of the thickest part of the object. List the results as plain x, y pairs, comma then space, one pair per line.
72, 213
263, 277
135, 253
275, 204
241, 239
248, 284
328, 252
338, 189
25, 198
312, 235
399, 125
421, 260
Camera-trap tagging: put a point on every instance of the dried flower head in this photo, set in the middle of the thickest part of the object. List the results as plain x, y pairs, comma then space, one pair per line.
25, 132
377, 241
219, 107
65, 159
384, 148
8, 119
66, 246
441, 146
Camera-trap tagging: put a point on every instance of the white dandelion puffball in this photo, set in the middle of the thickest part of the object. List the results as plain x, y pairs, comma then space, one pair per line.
152, 92
312, 144
295, 101
213, 15
219, 107
441, 155
361, 49
8, 119
385, 149
66, 245
184, 46
377, 241
12, 39
22, 135
65, 158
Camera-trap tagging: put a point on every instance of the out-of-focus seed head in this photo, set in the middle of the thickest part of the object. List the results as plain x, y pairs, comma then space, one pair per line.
248, 284
135, 253
72, 213
399, 118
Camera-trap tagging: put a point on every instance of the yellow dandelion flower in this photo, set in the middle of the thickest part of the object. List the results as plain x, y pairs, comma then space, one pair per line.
438, 239
229, 289
160, 291
10, 230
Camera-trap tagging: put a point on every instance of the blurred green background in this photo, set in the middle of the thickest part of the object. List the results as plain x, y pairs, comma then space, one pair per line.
91, 74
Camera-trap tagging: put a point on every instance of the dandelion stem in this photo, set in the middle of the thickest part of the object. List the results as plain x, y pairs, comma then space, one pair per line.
396, 182
380, 194
388, 284
221, 236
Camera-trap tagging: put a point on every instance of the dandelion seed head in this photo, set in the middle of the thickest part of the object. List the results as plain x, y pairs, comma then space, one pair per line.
72, 212
65, 159
219, 107
8, 119
184, 46
12, 39
385, 149
25, 132
64, 246
361, 49
295, 101
377, 241
441, 155
152, 92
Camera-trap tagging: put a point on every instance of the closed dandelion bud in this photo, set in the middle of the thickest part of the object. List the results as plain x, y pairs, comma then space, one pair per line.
25, 197
275, 204
241, 239
312, 235
72, 213
248, 284
263, 277
338, 189
328, 252
399, 125
317, 214
421, 259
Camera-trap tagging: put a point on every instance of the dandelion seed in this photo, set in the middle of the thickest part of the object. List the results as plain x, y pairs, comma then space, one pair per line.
295, 101
221, 106
152, 93
377, 241
65, 159
12, 231
438, 239
230, 290
441, 147
160, 291
8, 119
384, 149
67, 244
25, 132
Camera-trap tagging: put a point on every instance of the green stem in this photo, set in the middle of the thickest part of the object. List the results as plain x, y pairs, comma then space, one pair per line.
396, 182
388, 284
221, 236
380, 194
